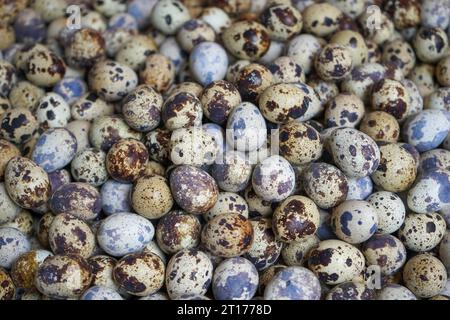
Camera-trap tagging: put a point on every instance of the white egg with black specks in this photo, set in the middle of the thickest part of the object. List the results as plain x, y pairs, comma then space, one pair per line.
390, 211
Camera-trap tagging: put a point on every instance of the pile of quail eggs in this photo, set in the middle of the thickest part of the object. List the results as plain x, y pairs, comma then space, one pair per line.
228, 150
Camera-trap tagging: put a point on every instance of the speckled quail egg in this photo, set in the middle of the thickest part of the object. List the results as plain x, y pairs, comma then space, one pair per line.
434, 159
228, 235
401, 54
265, 249
111, 80
42, 229
80, 129
334, 62
430, 192
361, 80
190, 87
7, 152
443, 72
234, 70
381, 127
182, 110
395, 292
218, 99
295, 253
293, 283
354, 221
158, 72
23, 222
354, 152
126, 160
397, 170
282, 21
135, 51
351, 290
335, 261
27, 184
423, 76
285, 70
89, 166
100, 293
246, 40
18, 125
85, 47
392, 97
295, 218
105, 131
208, 62
430, 44
7, 290
55, 149
444, 250
438, 99
193, 32
246, 128
193, 189
168, 16
178, 230
384, 30
359, 188
355, 43
422, 232
102, 267
142, 108
8, 77
252, 80
150, 196
8, 209
424, 275
193, 146
344, 110
427, 129
53, 111
153, 247
188, 272
124, 233
235, 279
385, 251
325, 184
24, 269
139, 274
300, 143
44, 68
70, 235
228, 202
63, 277
321, 19
390, 211
14, 244
257, 206
90, 106
77, 198
273, 179
216, 18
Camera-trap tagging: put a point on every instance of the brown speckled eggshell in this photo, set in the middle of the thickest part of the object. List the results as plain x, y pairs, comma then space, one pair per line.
7, 288
228, 235
7, 152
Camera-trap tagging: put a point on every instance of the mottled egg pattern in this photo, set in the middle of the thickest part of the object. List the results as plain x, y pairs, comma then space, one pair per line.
27, 184
390, 211
218, 99
45, 68
296, 253
208, 62
168, 16
158, 72
228, 235
140, 274
193, 189
124, 233
228, 202
321, 19
355, 153
344, 110
55, 149
126, 160
63, 277
354, 221
23, 270
281, 21
266, 248
293, 283
13, 244
252, 80
434, 159
335, 261
85, 47
18, 125
53, 111
422, 232
182, 110
188, 272
430, 44
359, 188
386, 251
102, 271
8, 209
351, 291
424, 275
90, 106
89, 166
235, 279
79, 199
100, 293
178, 230
115, 197
392, 97
334, 62
295, 218
273, 179
381, 127
246, 40
395, 292
7, 290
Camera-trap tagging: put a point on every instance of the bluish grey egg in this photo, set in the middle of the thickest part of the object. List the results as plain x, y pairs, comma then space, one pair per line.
115, 197
208, 62
71, 89
29, 27
359, 188
434, 159
100, 293
124, 233
13, 243
172, 50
